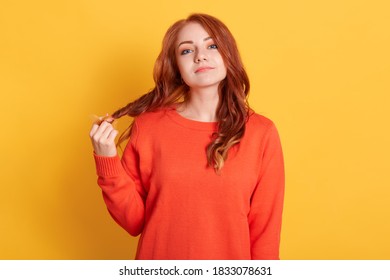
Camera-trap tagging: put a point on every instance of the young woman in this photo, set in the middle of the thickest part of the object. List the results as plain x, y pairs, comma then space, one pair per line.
202, 176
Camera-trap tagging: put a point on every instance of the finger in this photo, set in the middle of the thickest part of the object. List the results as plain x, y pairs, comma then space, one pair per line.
105, 134
99, 119
103, 125
106, 124
109, 119
100, 130
112, 135
94, 128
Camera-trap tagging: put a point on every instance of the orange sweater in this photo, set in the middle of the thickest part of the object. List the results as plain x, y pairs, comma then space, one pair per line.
163, 189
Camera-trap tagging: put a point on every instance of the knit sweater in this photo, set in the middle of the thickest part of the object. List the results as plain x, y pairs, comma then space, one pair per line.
163, 189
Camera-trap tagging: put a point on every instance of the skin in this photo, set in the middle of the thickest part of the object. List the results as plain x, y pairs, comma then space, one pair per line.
201, 67
103, 137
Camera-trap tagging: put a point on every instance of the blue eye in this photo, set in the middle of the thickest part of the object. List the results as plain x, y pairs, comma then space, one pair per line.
186, 51
213, 46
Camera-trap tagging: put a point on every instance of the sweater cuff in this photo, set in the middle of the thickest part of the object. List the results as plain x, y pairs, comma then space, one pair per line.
108, 166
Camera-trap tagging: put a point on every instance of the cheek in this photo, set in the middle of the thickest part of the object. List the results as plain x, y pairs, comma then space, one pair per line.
223, 69
221, 63
181, 65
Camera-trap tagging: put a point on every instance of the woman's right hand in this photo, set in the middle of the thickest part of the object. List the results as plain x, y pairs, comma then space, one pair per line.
103, 138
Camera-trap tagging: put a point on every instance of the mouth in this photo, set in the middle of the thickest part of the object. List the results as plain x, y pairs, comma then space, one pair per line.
203, 69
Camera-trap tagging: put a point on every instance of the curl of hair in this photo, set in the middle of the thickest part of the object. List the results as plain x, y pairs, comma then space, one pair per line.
233, 109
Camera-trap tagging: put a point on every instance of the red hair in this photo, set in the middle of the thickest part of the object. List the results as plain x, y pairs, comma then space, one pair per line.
232, 111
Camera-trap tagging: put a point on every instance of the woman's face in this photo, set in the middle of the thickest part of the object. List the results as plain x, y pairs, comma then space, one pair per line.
198, 59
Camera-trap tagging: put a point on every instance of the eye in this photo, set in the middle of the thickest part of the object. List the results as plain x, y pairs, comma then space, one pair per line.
213, 46
186, 51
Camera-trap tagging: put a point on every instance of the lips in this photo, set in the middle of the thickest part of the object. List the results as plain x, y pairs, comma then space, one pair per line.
203, 69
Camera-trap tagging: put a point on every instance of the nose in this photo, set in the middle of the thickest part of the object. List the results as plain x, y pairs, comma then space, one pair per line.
200, 56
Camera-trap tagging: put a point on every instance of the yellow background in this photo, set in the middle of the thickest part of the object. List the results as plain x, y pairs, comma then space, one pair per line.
319, 69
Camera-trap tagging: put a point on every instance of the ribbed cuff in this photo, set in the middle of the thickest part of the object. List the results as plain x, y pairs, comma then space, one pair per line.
108, 166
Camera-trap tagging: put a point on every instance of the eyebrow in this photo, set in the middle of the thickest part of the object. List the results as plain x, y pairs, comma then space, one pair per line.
191, 42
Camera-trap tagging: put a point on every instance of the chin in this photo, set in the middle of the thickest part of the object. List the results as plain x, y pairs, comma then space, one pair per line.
204, 84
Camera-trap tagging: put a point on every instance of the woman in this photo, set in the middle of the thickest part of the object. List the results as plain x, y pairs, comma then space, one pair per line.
202, 175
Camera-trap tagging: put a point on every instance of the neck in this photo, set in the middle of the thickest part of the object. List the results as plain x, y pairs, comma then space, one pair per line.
201, 106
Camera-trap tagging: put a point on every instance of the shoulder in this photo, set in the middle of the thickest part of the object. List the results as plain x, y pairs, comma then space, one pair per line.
153, 118
144, 126
263, 130
259, 121
150, 125
260, 128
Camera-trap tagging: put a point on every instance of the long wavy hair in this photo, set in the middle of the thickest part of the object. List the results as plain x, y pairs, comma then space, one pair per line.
233, 109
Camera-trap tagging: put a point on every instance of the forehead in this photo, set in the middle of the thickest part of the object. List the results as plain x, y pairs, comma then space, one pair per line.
191, 32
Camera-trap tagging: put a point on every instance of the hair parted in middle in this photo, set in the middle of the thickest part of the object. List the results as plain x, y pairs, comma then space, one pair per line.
233, 109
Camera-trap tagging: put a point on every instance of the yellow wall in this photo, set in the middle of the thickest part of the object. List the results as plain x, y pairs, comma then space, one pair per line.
319, 69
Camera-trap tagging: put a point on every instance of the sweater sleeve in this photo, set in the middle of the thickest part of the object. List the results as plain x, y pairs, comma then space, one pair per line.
265, 215
122, 191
